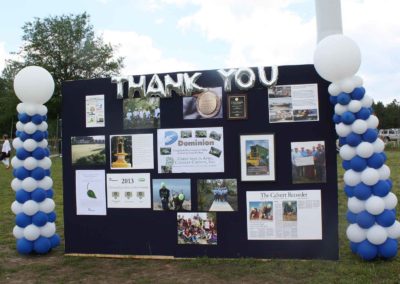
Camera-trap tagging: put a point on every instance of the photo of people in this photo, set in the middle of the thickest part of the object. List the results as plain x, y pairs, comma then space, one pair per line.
88, 150
206, 105
171, 194
308, 162
186, 134
217, 195
141, 113
197, 228
215, 152
289, 210
261, 210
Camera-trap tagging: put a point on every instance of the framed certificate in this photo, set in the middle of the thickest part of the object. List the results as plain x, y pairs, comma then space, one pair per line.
237, 107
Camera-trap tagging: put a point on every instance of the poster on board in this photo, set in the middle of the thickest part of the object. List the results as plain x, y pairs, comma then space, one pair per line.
284, 215
95, 111
190, 150
90, 192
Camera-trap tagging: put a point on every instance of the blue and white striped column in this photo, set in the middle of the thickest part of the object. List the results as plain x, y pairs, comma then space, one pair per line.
35, 228
373, 229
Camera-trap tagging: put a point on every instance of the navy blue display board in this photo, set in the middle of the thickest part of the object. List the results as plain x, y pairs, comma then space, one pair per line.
148, 232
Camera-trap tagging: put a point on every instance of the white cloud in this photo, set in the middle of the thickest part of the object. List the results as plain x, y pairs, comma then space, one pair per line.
141, 56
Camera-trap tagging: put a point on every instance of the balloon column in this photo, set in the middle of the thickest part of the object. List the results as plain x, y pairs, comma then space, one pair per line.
35, 229
373, 229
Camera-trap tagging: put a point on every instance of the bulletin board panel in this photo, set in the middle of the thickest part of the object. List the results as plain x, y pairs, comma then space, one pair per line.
147, 232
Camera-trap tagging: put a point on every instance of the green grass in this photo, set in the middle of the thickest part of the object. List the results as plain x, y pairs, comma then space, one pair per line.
57, 268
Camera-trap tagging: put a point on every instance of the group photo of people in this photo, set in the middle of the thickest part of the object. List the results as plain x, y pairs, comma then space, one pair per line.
217, 194
171, 194
197, 228
308, 162
261, 210
289, 210
141, 113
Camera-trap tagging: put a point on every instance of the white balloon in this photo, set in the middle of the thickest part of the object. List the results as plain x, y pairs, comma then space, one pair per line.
42, 110
30, 127
394, 230
378, 145
43, 143
337, 57
347, 85
21, 107
31, 232
375, 205
47, 205
372, 121
30, 207
355, 233
347, 152
16, 163
359, 126
19, 126
340, 109
16, 184
17, 143
29, 184
334, 89
355, 205
376, 235
30, 145
384, 172
43, 126
365, 150
48, 230
45, 183
30, 163
342, 129
358, 81
16, 207
34, 84
369, 176
45, 163
351, 177
390, 201
367, 101
355, 106
31, 109
18, 232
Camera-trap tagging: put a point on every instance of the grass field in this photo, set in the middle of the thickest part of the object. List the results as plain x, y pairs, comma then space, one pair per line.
57, 268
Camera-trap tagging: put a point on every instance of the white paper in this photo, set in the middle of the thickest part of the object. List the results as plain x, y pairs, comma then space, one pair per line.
190, 150
95, 111
128, 190
284, 215
90, 192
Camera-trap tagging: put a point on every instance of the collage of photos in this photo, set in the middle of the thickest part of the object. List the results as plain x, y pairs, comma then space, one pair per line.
88, 150
308, 162
217, 195
172, 194
197, 228
95, 111
141, 113
206, 105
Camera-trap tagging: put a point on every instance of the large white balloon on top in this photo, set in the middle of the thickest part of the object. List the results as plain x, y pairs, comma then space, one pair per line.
34, 84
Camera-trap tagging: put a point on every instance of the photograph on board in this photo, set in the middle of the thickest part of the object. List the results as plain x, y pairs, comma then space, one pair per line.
289, 210
141, 113
261, 210
217, 195
88, 150
197, 228
205, 105
172, 194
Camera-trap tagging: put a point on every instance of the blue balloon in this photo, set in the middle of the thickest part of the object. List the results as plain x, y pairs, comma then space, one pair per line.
44, 117
23, 136
38, 153
367, 251
376, 161
343, 99
47, 172
390, 182
39, 194
337, 119
362, 191
23, 220
351, 217
348, 117
358, 164
37, 119
24, 246
358, 93
38, 136
386, 218
381, 188
365, 220
370, 135
17, 133
349, 190
55, 240
40, 219
49, 193
353, 139
342, 141
46, 134
22, 154
383, 154
21, 196
388, 249
42, 245
52, 216
364, 113
22, 173
346, 165
24, 118
353, 247
47, 152
333, 99
38, 173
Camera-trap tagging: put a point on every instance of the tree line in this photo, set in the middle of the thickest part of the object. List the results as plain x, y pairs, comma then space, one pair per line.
389, 115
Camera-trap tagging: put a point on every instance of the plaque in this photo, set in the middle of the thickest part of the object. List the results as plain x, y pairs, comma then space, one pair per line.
208, 104
237, 107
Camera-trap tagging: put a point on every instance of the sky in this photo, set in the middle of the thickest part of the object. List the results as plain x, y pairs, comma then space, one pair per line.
185, 35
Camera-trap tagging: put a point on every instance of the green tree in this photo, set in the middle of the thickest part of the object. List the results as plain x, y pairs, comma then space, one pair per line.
68, 48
